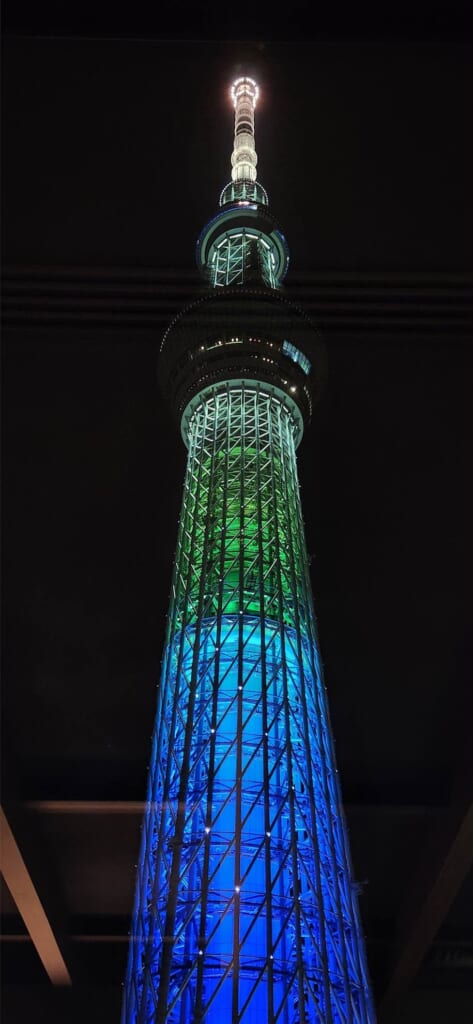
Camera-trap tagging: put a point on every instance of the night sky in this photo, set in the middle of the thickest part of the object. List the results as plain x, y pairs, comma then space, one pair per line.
115, 152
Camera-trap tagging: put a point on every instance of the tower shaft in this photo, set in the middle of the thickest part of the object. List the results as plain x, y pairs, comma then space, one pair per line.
245, 909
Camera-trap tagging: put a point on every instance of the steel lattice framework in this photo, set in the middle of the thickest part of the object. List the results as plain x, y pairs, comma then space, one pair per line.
238, 256
245, 906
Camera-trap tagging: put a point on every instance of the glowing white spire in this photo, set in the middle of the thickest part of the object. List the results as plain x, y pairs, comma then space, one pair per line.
244, 93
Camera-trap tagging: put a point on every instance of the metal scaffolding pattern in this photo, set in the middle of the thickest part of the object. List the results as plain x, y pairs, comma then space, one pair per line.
245, 906
240, 257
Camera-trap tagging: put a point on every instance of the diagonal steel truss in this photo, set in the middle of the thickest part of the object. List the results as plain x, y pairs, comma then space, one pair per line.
245, 905
240, 256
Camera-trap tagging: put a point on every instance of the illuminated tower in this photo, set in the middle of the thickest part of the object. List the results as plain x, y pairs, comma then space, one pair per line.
245, 907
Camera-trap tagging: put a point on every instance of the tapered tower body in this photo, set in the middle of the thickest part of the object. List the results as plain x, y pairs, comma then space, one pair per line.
245, 907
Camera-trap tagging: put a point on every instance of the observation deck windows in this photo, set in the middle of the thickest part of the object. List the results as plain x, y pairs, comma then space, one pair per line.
297, 356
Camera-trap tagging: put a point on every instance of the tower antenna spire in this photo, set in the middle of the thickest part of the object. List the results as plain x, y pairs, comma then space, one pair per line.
244, 93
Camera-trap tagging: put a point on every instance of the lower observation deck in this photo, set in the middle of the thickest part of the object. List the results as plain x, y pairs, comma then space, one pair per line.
242, 334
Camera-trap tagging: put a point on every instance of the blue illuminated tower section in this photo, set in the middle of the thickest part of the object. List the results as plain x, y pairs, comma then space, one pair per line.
246, 911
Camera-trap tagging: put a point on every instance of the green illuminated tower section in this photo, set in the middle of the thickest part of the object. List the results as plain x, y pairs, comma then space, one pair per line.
245, 909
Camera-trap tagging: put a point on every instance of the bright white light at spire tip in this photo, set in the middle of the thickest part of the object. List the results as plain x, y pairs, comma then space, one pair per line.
244, 85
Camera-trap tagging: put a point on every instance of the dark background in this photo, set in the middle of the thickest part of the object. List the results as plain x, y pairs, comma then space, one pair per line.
117, 141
